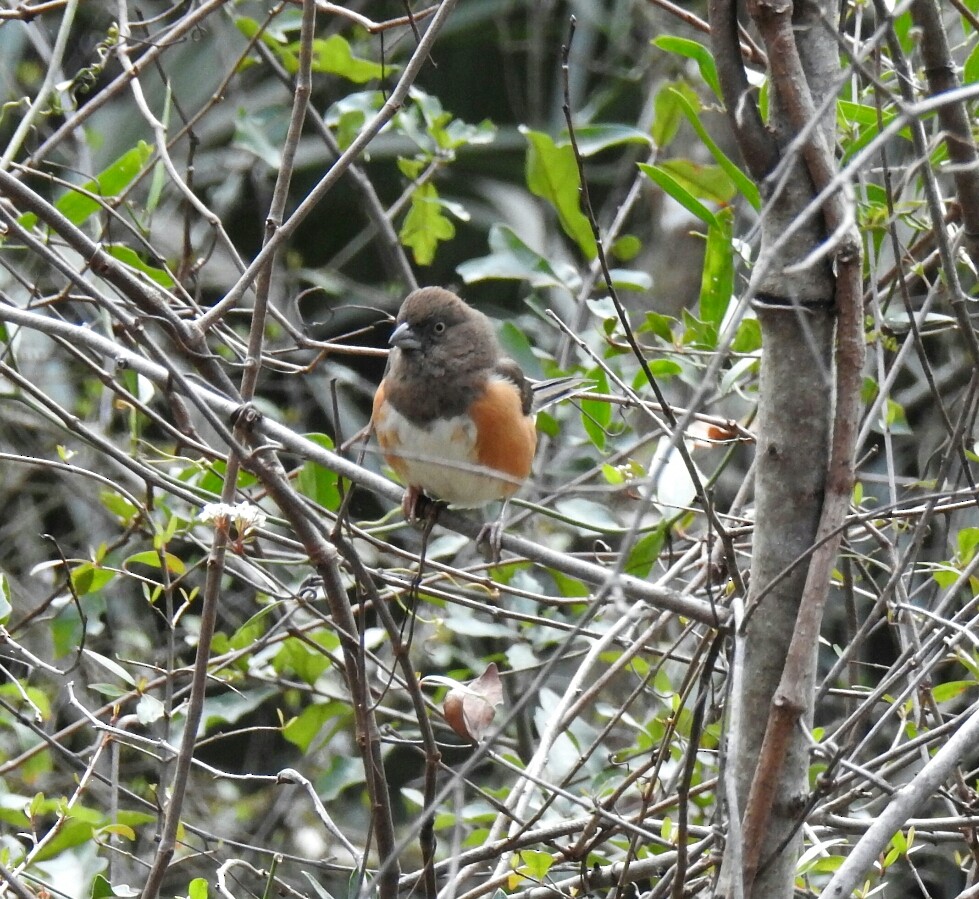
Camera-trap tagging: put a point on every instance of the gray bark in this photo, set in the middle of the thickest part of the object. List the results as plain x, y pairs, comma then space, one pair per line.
796, 311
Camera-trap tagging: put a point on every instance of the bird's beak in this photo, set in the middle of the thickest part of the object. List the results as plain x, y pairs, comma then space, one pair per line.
404, 338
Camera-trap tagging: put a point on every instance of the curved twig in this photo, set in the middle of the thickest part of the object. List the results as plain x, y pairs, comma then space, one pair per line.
757, 143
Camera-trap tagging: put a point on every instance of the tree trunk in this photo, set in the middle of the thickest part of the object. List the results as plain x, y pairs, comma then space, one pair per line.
794, 293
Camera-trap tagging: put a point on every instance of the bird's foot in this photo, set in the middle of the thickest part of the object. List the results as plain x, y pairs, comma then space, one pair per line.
489, 540
416, 506
409, 503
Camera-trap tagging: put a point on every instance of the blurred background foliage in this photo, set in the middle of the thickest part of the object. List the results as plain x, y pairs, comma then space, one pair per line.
102, 547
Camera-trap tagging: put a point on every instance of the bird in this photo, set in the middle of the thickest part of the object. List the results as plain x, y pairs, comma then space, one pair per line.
454, 416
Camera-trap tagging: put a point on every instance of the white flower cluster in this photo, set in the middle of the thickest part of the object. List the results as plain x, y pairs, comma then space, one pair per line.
246, 517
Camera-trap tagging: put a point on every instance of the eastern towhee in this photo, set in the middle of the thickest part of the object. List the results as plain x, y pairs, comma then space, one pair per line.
453, 415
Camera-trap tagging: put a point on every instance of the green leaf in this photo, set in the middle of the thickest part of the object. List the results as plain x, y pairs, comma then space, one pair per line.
441, 130
151, 558
748, 338
970, 71
249, 633
966, 541
951, 689
717, 279
459, 133
535, 864
342, 771
76, 830
645, 553
869, 390
149, 709
613, 475
259, 132
158, 181
5, 606
516, 345
212, 481
945, 576
895, 418
333, 55
706, 182
744, 184
274, 38
296, 657
863, 114
119, 830
899, 847
697, 333
630, 279
317, 483
101, 888
302, 730
698, 53
197, 888
411, 168
323, 894
111, 666
660, 325
511, 259
569, 586
229, 708
118, 506
668, 111
425, 225
827, 864
552, 175
348, 115
88, 578
857, 493
66, 631
679, 193
593, 139
626, 248
274, 32
110, 182
20, 695
596, 415
664, 368
547, 424
861, 123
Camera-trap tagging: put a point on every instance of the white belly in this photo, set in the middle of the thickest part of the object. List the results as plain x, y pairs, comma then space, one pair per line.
438, 459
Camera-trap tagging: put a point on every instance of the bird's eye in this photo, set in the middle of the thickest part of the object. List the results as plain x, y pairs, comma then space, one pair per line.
439, 327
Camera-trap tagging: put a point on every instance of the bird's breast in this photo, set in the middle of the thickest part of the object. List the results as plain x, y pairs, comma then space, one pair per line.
450, 459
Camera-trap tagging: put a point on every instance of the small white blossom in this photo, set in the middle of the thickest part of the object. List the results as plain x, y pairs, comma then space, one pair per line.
215, 512
246, 517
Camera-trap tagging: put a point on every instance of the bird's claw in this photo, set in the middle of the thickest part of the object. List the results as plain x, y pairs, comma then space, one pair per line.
489, 540
416, 506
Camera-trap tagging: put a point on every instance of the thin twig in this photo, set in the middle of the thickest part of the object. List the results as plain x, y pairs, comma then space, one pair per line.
353, 152
53, 71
